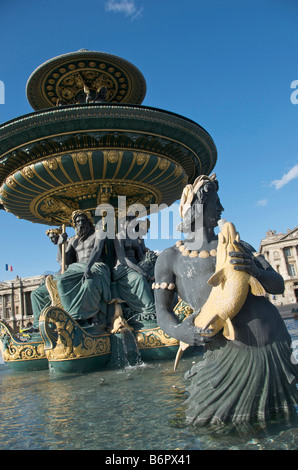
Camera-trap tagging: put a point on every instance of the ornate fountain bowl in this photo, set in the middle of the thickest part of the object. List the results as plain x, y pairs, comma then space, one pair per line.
90, 141
66, 78
77, 157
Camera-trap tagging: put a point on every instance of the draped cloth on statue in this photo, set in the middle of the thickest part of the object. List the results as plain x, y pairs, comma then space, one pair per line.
83, 300
40, 299
134, 289
248, 380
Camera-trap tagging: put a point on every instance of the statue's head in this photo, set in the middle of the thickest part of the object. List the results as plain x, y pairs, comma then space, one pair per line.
82, 222
53, 234
142, 227
203, 194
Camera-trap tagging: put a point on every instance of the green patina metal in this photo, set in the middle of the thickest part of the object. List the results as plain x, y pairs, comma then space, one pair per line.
89, 141
144, 153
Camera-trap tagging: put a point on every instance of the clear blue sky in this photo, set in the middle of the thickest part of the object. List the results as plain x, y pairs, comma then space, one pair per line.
226, 64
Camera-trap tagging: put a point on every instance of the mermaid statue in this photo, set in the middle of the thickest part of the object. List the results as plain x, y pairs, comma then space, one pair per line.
252, 376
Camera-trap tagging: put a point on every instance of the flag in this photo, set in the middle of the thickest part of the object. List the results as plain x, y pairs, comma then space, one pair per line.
8, 267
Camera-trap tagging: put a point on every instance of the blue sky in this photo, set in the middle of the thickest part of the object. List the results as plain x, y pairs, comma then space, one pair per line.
226, 64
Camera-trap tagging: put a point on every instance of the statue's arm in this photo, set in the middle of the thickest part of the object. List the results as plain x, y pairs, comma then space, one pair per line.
166, 318
70, 254
258, 267
271, 280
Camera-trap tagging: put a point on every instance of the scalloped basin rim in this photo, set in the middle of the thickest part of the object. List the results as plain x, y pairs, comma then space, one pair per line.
99, 105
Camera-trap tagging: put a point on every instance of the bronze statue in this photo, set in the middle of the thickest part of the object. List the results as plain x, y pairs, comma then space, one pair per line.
251, 377
131, 279
84, 288
40, 297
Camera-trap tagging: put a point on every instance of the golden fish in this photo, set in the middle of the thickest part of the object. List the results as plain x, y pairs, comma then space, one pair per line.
229, 290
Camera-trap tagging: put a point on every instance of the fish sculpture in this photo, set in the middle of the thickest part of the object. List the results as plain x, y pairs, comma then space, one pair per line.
229, 291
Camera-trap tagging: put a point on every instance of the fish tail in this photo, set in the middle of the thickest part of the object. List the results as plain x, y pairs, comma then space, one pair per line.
228, 330
182, 347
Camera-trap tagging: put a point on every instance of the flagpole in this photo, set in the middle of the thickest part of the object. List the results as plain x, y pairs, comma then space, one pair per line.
63, 252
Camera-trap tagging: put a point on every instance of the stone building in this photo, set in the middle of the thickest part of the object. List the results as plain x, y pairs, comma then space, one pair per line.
15, 302
281, 251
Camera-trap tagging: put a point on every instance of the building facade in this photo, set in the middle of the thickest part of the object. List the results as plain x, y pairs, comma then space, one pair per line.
15, 302
281, 251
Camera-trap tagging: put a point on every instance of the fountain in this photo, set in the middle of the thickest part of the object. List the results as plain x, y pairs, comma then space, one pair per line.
89, 141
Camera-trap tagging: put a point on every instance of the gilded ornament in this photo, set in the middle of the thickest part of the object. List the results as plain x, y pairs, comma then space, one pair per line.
154, 338
3, 193
51, 283
163, 164
28, 171
141, 158
82, 158
113, 156
52, 163
15, 351
10, 182
178, 171
70, 340
54, 208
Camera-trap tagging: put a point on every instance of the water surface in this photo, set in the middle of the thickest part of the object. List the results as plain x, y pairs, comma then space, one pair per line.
139, 408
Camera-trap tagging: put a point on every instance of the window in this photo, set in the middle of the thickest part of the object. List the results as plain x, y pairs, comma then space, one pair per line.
287, 252
291, 269
28, 305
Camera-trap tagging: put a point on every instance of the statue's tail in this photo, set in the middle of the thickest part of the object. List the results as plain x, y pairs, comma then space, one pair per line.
182, 348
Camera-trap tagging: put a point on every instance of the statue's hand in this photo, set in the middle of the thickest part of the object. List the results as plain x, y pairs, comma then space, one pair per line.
244, 260
62, 238
192, 334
